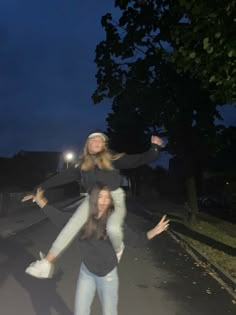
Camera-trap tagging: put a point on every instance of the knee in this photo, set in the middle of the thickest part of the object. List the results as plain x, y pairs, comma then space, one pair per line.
114, 230
118, 194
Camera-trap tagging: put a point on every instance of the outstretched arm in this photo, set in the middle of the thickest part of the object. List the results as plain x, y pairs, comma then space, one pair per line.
44, 268
57, 217
136, 239
70, 230
65, 177
159, 228
134, 160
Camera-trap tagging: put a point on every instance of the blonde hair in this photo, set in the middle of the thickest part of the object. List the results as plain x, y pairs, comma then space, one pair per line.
102, 160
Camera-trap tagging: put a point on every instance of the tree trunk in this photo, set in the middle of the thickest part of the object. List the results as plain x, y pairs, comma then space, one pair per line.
192, 198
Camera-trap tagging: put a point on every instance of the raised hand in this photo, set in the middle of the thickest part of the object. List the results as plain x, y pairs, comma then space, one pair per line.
39, 198
159, 228
162, 225
157, 140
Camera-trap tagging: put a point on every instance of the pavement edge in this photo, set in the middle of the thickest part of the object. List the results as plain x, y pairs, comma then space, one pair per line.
214, 270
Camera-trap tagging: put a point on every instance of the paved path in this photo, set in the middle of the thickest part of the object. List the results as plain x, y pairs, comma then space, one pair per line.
156, 279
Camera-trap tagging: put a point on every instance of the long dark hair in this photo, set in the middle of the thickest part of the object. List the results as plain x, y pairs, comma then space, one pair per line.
95, 227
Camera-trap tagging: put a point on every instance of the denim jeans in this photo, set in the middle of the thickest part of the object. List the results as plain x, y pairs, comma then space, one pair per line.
107, 288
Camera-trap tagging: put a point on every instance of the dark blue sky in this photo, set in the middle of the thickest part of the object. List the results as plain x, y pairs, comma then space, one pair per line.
47, 73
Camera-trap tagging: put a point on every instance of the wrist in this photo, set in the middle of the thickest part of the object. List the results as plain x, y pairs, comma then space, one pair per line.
42, 203
151, 233
155, 147
50, 258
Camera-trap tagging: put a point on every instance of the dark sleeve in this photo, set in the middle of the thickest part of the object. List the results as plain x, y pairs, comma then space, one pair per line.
65, 177
134, 160
56, 216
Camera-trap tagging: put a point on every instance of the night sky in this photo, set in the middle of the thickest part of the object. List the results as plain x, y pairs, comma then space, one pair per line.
47, 74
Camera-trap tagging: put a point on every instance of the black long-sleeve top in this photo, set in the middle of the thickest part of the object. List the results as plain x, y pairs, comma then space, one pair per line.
109, 178
98, 255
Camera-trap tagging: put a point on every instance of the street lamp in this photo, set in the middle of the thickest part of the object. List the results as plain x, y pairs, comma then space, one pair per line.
68, 156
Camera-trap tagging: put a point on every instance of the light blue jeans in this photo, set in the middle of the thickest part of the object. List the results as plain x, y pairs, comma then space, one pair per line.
107, 288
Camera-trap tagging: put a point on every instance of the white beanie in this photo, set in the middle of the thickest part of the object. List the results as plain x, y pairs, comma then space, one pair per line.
98, 134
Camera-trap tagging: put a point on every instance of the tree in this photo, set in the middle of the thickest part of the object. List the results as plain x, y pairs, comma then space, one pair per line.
197, 36
204, 44
174, 104
136, 69
125, 122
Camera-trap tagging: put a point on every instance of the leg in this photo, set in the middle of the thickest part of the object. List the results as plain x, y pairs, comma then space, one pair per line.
41, 269
71, 229
108, 288
116, 220
85, 292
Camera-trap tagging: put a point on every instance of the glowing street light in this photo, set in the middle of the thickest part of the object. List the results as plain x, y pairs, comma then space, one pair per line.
69, 156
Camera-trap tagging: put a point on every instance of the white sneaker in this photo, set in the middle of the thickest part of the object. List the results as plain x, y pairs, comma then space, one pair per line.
42, 269
120, 252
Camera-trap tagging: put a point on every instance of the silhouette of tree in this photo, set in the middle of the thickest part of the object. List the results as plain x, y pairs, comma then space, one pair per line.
139, 66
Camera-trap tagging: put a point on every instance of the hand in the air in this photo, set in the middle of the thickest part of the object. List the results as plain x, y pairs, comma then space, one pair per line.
159, 228
162, 225
157, 140
39, 198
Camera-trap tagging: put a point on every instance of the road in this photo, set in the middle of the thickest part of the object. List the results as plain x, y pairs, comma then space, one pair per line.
155, 278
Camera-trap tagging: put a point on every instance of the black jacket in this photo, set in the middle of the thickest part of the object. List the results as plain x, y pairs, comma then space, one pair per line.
109, 178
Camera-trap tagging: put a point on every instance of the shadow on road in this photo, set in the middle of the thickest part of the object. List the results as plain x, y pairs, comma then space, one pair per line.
42, 292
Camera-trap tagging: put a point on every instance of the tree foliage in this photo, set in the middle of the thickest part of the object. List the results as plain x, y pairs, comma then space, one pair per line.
162, 73
198, 37
204, 45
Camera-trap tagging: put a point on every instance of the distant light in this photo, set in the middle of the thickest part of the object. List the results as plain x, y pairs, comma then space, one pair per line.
227, 183
69, 156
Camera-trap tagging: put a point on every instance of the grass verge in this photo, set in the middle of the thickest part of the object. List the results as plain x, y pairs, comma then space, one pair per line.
217, 230
209, 226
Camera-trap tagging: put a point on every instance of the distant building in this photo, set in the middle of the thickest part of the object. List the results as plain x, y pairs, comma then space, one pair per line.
24, 171
46, 162
28, 168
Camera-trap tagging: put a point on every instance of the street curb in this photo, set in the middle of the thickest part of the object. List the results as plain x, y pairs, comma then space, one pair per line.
214, 270
220, 275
